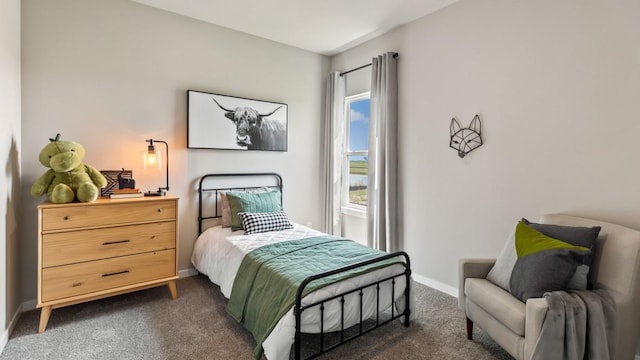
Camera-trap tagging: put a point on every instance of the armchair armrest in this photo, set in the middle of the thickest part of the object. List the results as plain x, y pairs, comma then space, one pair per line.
535, 312
472, 268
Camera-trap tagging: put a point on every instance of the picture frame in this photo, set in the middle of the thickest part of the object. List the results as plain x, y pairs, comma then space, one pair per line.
216, 121
112, 180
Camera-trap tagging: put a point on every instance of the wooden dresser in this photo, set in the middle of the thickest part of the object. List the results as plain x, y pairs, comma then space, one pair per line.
88, 251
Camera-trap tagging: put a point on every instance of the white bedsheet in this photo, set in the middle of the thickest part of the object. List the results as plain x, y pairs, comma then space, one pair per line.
218, 253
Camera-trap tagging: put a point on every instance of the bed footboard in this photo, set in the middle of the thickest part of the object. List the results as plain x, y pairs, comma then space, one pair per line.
299, 308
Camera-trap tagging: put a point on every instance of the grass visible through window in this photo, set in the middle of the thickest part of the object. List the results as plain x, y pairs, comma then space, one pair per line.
358, 190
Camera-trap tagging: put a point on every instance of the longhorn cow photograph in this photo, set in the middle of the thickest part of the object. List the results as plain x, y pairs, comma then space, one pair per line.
218, 121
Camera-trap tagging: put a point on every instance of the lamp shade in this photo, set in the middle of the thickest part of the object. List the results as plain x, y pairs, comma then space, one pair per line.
152, 159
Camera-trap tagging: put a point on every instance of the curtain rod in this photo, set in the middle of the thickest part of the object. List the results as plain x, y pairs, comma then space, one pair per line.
395, 55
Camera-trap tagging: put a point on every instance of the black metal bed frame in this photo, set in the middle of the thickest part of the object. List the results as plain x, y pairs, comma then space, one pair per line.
202, 190
298, 307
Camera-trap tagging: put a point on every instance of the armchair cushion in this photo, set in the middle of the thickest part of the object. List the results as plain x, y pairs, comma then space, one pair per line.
472, 268
497, 302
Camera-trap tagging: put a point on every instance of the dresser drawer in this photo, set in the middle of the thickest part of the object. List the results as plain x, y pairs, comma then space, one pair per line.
73, 217
62, 248
83, 278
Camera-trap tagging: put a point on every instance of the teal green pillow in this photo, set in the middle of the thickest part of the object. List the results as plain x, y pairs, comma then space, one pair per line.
544, 264
240, 201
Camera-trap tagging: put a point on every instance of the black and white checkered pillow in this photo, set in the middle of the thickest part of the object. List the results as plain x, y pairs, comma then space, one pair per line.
263, 222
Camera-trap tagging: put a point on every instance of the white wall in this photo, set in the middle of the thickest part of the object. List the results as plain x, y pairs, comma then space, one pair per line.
556, 85
10, 157
110, 74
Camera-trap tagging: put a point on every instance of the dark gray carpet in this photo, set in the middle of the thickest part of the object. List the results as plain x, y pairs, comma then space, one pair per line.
149, 325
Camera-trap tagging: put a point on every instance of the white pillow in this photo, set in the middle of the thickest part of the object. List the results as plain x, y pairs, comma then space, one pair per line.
226, 210
500, 273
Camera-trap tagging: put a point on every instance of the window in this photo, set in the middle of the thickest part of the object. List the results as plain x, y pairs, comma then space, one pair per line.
357, 151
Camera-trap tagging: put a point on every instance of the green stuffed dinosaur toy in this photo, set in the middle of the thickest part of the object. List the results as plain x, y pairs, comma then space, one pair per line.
67, 178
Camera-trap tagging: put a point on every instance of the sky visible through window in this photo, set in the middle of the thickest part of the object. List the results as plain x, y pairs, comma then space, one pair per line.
359, 125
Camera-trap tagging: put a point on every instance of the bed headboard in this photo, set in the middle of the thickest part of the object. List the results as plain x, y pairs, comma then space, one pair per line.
211, 185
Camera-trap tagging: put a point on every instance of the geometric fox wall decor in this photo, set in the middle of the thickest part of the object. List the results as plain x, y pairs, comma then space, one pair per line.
465, 140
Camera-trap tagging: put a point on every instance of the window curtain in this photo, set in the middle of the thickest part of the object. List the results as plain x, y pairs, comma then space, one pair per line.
333, 145
382, 202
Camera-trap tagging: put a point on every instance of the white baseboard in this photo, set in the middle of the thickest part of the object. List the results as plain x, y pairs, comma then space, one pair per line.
4, 340
29, 305
187, 272
447, 289
12, 324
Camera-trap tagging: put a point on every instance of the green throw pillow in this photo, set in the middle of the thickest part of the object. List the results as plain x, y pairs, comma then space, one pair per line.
576, 235
544, 264
240, 201
530, 241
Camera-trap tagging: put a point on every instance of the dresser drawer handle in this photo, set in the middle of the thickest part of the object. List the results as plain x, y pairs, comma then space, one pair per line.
116, 273
159, 210
66, 218
115, 242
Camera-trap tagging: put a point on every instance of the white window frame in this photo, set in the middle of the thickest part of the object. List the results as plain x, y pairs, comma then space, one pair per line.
349, 208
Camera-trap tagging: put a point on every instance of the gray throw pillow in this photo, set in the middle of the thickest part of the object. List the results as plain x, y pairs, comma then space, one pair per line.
574, 235
544, 271
544, 264
500, 274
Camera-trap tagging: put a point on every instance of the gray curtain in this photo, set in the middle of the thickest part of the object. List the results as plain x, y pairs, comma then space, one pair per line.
333, 137
382, 202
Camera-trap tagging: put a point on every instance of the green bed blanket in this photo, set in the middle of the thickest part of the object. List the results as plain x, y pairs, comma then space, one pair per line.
268, 278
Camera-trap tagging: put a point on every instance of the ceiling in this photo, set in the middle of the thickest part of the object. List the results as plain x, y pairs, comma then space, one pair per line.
322, 26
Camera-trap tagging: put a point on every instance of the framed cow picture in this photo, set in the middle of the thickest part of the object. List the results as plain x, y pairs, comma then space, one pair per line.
218, 121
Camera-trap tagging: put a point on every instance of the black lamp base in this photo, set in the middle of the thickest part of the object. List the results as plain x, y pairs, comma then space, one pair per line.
157, 193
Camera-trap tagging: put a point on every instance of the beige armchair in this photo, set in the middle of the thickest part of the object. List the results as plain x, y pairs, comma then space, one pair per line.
516, 326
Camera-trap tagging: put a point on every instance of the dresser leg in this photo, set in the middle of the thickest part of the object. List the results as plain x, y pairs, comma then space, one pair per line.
44, 318
172, 289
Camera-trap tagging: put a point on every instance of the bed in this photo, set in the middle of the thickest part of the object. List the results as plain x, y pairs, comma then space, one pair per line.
338, 291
